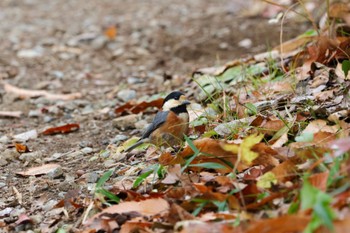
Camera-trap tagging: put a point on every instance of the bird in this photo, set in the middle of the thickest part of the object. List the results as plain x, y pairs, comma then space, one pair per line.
169, 125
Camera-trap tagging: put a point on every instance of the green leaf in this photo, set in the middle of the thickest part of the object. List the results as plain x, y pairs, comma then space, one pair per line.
109, 195
141, 178
209, 165
104, 178
307, 195
195, 150
345, 66
251, 109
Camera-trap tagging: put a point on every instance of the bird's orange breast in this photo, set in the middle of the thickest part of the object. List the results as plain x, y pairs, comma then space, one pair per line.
172, 132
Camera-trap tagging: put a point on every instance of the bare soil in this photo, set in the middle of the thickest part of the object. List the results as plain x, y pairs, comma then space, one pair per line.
158, 44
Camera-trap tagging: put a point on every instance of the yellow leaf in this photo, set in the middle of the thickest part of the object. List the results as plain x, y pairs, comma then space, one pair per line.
231, 148
266, 180
247, 155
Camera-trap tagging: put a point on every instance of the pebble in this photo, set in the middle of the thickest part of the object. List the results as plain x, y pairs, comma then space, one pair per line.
86, 150
31, 156
141, 124
99, 42
4, 139
245, 43
29, 53
126, 95
118, 138
34, 113
109, 163
91, 177
23, 137
125, 122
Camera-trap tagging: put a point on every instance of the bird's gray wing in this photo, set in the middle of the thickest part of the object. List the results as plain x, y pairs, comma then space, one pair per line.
158, 120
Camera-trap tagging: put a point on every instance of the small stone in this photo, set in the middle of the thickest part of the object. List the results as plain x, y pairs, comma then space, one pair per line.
118, 138
134, 80
4, 139
99, 42
141, 124
87, 150
23, 137
223, 45
126, 95
55, 173
125, 122
31, 156
2, 184
246, 43
29, 53
109, 163
57, 74
34, 113
91, 177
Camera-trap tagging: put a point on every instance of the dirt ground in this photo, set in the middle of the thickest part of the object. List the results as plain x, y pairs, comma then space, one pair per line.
61, 48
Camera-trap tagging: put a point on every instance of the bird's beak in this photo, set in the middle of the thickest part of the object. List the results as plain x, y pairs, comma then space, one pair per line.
186, 102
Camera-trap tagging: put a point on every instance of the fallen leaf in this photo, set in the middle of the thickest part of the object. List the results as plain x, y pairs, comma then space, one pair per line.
136, 108
13, 114
20, 148
24, 93
111, 32
127, 210
41, 170
61, 129
319, 180
286, 223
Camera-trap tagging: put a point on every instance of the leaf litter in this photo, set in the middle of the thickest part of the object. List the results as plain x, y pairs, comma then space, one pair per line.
281, 165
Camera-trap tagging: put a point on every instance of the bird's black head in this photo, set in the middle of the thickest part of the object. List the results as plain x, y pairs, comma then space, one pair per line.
176, 101
173, 95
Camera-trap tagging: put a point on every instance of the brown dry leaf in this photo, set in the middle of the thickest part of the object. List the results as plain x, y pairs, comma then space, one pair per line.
340, 146
13, 114
106, 219
20, 148
207, 227
135, 108
173, 174
211, 147
136, 225
285, 171
61, 129
318, 126
286, 223
44, 169
340, 226
319, 180
24, 93
111, 32
268, 126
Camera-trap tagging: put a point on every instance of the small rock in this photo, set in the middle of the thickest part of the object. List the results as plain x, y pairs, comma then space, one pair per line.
31, 156
91, 177
48, 119
57, 172
86, 150
125, 122
57, 74
4, 139
99, 42
126, 95
2, 184
118, 138
34, 113
109, 163
134, 80
29, 53
246, 43
141, 124
223, 45
87, 110
23, 137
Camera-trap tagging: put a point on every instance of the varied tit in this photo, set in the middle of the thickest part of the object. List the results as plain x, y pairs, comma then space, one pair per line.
169, 125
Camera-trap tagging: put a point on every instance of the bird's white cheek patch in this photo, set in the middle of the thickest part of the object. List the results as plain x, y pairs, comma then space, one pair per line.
170, 104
